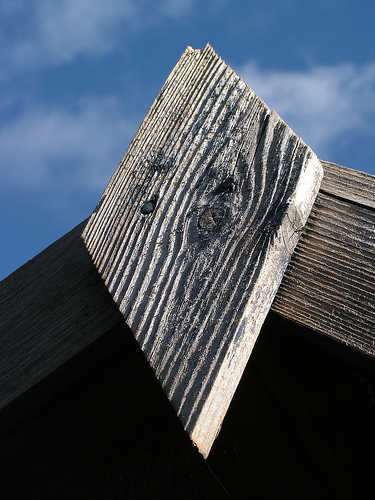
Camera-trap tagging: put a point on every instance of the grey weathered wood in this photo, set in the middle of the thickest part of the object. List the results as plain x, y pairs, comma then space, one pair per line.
349, 184
55, 306
195, 230
51, 309
329, 285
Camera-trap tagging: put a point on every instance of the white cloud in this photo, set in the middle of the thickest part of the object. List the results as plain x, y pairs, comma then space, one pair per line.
55, 32
49, 32
79, 148
321, 103
175, 8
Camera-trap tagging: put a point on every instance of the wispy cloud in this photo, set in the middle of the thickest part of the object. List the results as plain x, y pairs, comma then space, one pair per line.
55, 32
71, 148
175, 8
321, 103
82, 146
51, 33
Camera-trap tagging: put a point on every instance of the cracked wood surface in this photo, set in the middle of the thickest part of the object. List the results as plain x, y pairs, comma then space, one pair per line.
195, 229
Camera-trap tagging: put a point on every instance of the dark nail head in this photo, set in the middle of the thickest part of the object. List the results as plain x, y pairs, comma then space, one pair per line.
148, 207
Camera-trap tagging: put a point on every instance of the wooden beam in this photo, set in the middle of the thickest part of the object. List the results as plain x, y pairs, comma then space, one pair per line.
195, 230
52, 308
329, 284
348, 184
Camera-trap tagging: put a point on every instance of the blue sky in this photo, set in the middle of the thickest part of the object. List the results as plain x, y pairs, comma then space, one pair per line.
78, 76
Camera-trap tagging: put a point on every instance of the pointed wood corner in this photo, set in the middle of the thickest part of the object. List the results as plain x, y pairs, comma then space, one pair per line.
195, 229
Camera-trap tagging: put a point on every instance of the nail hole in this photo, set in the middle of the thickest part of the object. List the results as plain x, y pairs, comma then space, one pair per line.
148, 207
228, 185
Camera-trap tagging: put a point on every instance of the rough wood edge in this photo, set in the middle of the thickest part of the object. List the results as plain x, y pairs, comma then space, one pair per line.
328, 286
348, 184
53, 307
238, 354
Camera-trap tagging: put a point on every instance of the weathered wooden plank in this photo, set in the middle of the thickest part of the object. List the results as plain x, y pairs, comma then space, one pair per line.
55, 306
349, 184
51, 309
325, 293
329, 284
195, 230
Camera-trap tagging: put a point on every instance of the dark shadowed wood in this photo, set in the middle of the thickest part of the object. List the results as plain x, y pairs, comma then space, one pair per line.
195, 229
51, 309
300, 426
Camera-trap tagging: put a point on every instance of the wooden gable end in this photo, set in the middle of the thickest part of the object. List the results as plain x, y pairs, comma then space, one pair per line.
80, 410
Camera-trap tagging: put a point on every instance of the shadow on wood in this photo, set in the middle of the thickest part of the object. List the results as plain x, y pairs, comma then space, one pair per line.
301, 425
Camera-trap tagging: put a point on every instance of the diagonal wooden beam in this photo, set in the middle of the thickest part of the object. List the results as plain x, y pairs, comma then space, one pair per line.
56, 307
195, 229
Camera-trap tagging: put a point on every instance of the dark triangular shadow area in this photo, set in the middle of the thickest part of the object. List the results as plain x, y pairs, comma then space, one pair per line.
301, 426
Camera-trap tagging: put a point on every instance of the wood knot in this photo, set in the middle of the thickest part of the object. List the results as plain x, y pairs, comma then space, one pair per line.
210, 218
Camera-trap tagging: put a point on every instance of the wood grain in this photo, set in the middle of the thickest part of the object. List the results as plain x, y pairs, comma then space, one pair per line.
348, 184
329, 284
195, 230
55, 306
52, 308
